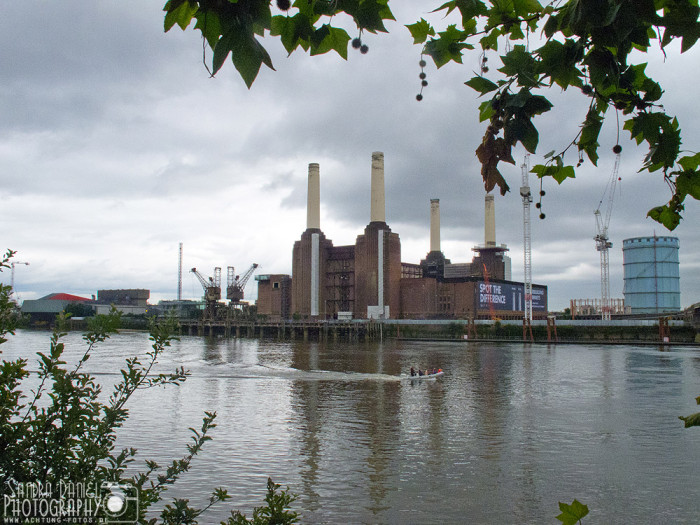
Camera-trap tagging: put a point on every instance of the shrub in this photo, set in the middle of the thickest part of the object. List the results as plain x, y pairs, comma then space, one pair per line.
57, 456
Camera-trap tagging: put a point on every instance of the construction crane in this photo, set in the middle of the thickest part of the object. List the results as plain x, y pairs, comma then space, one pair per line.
235, 284
527, 248
12, 274
602, 241
212, 291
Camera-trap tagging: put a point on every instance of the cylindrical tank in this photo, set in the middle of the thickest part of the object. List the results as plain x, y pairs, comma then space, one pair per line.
651, 273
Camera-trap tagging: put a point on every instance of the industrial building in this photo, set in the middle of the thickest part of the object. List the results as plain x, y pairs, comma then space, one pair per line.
46, 308
651, 274
368, 280
132, 301
275, 295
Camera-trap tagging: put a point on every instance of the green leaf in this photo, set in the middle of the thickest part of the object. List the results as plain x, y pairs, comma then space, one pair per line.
563, 173
524, 8
222, 50
690, 163
293, 31
665, 215
490, 41
558, 61
420, 31
180, 13
662, 134
521, 64
486, 111
482, 85
521, 129
247, 54
645, 126
688, 183
588, 142
331, 38
450, 6
602, 68
680, 20
370, 15
448, 46
691, 421
209, 23
536, 105
557, 171
652, 90
570, 514
471, 9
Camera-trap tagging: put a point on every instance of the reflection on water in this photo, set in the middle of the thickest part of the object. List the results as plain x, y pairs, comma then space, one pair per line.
508, 432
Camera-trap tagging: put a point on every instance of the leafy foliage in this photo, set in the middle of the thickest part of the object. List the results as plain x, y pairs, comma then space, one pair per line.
57, 442
275, 511
570, 514
232, 27
585, 45
692, 420
8, 318
79, 310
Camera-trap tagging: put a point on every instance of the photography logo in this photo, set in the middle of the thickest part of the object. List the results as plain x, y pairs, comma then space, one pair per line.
69, 502
120, 502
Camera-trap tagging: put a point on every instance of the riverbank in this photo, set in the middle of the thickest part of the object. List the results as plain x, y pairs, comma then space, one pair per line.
617, 331
563, 331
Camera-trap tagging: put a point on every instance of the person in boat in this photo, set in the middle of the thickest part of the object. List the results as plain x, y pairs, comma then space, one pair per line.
421, 373
413, 371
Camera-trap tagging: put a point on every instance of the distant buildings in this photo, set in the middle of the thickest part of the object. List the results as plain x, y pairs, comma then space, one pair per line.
133, 301
47, 307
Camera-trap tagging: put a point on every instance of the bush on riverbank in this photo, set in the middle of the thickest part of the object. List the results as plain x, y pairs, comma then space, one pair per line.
57, 440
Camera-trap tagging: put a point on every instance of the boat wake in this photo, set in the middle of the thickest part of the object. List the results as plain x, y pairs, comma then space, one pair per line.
288, 373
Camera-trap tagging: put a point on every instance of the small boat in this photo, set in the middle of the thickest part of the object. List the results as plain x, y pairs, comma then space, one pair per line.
427, 376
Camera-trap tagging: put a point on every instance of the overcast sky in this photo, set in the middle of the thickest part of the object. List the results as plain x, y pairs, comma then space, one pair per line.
115, 146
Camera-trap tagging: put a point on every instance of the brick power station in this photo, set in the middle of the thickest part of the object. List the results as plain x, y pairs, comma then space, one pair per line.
367, 280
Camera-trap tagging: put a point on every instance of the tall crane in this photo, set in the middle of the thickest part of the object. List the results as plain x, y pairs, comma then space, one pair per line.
602, 241
12, 274
235, 284
527, 248
212, 291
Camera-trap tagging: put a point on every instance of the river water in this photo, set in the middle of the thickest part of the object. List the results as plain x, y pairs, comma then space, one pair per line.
508, 432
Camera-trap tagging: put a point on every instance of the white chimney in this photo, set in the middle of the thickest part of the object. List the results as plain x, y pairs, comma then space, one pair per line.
313, 206
489, 220
434, 225
377, 211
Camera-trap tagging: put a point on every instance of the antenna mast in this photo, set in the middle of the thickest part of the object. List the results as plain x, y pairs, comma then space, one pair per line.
179, 276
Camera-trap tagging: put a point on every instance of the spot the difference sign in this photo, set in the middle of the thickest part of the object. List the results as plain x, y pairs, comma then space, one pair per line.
510, 297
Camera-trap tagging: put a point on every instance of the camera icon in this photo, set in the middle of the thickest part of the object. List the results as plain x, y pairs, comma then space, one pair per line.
120, 502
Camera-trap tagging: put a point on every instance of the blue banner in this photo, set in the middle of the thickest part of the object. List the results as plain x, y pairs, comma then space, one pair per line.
509, 297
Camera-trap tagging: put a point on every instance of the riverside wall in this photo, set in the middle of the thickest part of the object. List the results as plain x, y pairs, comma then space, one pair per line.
561, 331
